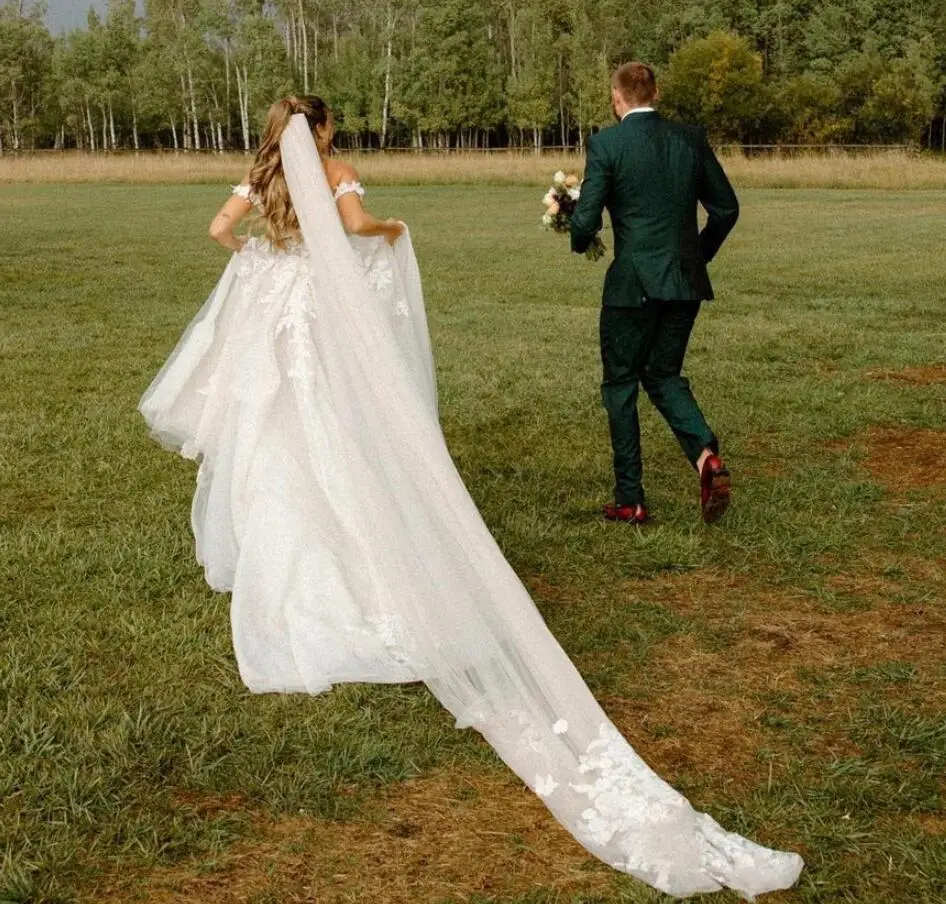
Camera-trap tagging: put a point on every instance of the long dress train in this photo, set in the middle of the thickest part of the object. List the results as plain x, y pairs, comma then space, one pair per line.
328, 505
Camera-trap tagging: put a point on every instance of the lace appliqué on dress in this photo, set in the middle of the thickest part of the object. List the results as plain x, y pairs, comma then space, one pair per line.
279, 279
622, 796
349, 188
244, 191
380, 274
398, 640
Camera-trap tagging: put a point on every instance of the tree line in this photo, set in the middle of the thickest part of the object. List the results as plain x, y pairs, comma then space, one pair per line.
200, 74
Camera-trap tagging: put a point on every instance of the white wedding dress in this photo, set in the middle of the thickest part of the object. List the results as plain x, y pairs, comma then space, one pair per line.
328, 505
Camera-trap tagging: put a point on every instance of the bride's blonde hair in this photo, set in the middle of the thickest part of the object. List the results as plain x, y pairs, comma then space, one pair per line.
267, 179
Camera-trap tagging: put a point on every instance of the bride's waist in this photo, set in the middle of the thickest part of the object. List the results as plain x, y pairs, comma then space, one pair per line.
294, 247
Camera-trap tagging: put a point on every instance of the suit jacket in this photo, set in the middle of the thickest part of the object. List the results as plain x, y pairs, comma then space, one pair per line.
650, 174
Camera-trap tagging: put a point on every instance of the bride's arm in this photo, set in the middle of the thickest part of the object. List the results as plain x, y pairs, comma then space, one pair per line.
226, 220
357, 220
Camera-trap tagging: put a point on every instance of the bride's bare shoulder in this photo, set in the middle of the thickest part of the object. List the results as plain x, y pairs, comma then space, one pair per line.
339, 171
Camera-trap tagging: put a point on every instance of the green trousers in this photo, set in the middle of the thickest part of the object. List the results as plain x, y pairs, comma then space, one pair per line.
645, 346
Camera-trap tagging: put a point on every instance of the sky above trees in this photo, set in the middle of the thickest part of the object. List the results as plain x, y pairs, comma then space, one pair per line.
62, 15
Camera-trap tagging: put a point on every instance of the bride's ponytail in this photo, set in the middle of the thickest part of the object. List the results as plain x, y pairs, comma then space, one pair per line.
266, 174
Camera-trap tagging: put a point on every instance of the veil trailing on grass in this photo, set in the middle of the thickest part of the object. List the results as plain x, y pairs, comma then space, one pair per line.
466, 625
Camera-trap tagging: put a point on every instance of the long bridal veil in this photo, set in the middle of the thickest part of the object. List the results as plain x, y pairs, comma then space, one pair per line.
368, 519
473, 633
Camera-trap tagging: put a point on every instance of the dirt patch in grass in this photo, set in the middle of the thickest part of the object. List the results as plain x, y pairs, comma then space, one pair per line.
901, 458
712, 694
445, 837
896, 632
917, 376
932, 824
769, 631
697, 718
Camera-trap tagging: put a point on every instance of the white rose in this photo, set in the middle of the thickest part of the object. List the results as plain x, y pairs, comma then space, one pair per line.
574, 194
550, 198
559, 178
547, 219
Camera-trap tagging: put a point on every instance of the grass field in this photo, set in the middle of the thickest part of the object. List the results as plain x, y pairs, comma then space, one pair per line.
784, 669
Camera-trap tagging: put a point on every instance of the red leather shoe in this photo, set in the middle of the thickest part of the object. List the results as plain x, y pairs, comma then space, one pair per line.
632, 514
715, 485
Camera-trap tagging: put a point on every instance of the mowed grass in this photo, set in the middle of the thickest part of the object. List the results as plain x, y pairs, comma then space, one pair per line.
785, 669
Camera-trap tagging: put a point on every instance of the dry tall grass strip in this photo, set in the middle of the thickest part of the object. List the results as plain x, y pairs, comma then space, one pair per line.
895, 170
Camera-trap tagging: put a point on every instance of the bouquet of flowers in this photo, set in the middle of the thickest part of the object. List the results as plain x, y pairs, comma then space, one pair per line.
560, 202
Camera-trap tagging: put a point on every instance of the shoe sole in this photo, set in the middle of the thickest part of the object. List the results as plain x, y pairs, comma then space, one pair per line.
718, 501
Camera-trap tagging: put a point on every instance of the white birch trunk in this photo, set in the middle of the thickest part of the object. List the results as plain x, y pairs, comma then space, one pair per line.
512, 40
305, 47
88, 118
16, 119
243, 92
226, 57
190, 85
386, 107
111, 125
185, 125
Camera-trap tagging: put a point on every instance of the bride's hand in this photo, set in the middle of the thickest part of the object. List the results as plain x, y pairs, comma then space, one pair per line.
395, 229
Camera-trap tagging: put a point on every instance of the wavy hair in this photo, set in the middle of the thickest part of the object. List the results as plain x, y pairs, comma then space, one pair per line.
267, 179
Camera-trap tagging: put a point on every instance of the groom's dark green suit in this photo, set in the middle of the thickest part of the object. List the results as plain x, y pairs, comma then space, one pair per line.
650, 174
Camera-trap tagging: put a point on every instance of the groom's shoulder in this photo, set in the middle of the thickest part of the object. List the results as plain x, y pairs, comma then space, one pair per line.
604, 137
692, 134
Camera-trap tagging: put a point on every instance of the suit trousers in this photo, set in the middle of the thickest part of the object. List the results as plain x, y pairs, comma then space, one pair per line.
645, 346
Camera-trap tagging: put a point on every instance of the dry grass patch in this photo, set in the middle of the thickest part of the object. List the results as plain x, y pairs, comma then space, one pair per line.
900, 458
445, 837
811, 639
917, 376
769, 631
932, 824
707, 691
698, 716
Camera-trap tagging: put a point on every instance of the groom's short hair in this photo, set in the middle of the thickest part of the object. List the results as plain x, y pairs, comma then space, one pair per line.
635, 82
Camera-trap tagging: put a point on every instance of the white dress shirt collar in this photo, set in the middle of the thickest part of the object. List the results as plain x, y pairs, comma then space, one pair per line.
637, 110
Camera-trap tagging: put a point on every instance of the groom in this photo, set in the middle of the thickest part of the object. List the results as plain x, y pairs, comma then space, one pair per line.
650, 174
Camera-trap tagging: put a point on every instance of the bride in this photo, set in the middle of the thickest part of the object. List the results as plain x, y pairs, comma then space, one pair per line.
327, 504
